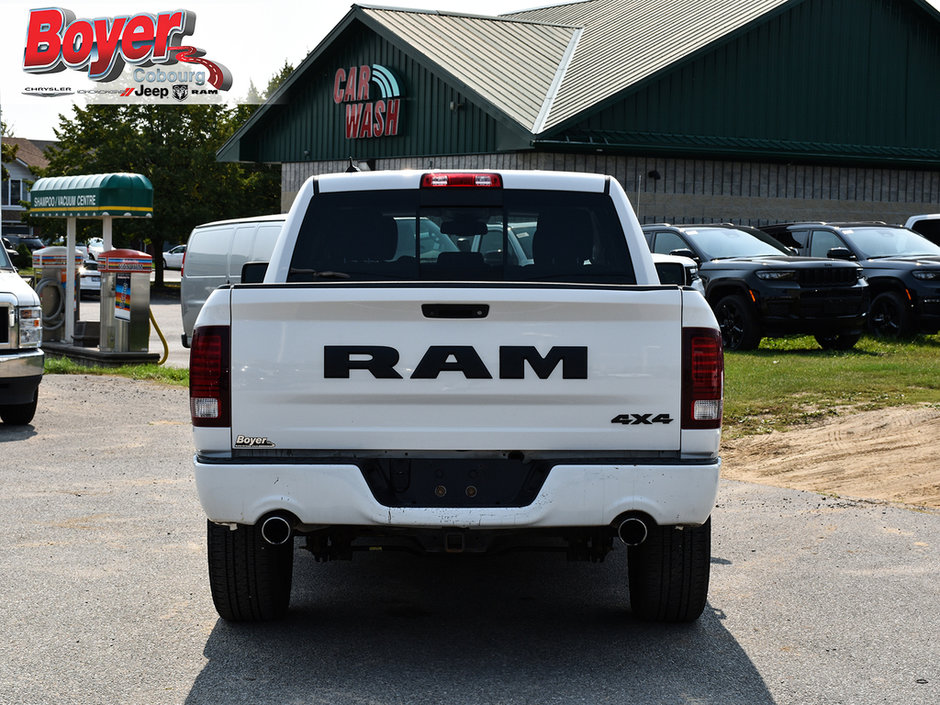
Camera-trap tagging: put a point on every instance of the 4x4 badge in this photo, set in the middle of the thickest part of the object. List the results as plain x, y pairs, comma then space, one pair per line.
641, 419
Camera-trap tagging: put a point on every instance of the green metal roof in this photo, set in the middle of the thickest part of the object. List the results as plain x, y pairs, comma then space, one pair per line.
92, 195
624, 43
514, 65
721, 77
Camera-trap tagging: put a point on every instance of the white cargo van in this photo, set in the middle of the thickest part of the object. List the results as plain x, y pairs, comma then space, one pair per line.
215, 254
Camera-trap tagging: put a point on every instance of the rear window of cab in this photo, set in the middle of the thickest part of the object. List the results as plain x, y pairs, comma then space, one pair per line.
462, 234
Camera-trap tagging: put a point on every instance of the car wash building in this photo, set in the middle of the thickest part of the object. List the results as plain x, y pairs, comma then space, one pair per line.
752, 111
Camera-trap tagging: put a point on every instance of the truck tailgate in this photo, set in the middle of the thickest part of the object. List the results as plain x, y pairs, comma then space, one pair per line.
487, 367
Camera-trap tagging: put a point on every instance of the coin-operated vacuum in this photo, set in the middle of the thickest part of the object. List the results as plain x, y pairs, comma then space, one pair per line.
125, 300
50, 266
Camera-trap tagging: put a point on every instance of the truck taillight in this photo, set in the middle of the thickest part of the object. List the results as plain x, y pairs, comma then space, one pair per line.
464, 180
209, 376
703, 372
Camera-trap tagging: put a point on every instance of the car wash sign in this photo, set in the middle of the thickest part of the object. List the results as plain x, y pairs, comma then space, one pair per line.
371, 96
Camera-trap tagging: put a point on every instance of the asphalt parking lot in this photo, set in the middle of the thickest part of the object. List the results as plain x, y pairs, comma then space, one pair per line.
813, 599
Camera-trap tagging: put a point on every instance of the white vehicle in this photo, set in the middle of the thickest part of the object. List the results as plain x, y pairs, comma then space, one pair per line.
368, 395
173, 258
21, 359
215, 254
95, 247
927, 225
89, 278
673, 269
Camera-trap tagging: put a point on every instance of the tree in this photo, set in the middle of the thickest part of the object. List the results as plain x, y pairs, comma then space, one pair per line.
278, 78
9, 150
174, 147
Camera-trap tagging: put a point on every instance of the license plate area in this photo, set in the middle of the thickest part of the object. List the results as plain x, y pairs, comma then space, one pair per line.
453, 483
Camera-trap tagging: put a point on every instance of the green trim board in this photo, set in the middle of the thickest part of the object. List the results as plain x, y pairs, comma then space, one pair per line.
118, 195
741, 148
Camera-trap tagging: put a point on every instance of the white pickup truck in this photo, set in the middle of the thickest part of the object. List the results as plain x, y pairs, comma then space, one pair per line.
457, 362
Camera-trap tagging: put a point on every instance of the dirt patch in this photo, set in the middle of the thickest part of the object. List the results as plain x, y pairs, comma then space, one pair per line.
889, 455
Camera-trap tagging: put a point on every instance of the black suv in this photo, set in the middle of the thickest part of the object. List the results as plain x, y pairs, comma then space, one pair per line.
757, 287
902, 268
32, 243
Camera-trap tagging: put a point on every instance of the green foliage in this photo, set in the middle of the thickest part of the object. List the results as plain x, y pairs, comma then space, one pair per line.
278, 78
7, 150
24, 258
791, 381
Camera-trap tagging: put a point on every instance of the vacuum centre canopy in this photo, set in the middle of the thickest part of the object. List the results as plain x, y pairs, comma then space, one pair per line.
93, 196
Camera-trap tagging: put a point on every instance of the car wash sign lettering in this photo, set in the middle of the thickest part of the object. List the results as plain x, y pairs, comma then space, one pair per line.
372, 99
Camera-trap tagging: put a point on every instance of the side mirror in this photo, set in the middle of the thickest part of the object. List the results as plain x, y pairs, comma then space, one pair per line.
840, 253
671, 273
684, 252
253, 272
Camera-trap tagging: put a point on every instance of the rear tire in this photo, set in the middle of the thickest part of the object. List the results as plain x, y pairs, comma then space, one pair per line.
250, 579
19, 414
738, 323
669, 573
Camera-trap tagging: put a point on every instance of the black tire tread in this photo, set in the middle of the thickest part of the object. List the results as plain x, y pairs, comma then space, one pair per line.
669, 573
903, 318
751, 334
250, 579
19, 414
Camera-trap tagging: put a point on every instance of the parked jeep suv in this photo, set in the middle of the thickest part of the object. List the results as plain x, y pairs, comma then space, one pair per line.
21, 360
902, 268
758, 288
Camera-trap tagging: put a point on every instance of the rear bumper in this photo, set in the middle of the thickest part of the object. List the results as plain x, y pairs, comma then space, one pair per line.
572, 496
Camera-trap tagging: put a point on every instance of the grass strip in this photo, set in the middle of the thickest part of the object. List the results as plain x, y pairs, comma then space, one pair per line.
789, 382
177, 376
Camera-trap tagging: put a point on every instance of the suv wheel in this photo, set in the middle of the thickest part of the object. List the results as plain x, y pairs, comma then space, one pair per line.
889, 316
838, 341
19, 414
738, 323
669, 573
250, 578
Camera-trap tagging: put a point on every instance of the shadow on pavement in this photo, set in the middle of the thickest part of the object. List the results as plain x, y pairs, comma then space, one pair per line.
529, 628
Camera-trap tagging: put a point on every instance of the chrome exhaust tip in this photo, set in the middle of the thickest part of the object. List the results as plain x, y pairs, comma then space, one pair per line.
276, 530
632, 531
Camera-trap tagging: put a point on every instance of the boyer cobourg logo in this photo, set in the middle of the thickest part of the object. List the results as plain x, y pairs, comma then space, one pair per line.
103, 47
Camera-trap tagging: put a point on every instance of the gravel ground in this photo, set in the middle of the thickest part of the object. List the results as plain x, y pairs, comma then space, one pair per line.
814, 599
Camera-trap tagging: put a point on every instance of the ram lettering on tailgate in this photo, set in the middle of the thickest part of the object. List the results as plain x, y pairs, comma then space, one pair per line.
380, 360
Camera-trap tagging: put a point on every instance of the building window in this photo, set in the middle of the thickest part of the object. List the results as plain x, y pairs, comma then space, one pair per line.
13, 192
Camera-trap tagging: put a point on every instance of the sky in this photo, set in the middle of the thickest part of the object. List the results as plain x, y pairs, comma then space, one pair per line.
251, 39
